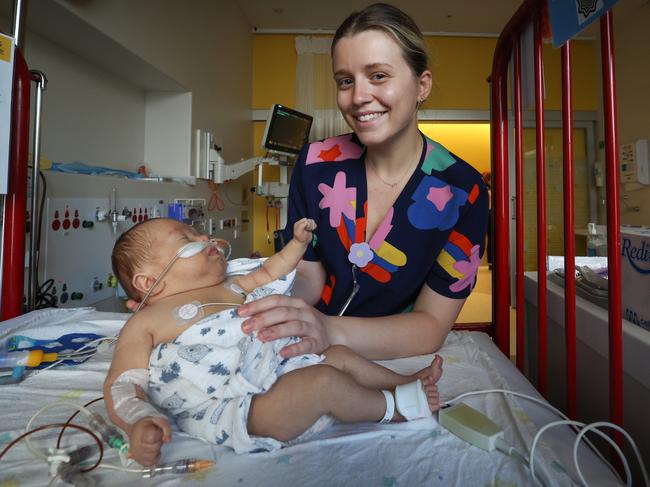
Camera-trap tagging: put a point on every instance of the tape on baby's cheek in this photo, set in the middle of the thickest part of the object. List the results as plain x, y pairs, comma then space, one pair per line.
127, 405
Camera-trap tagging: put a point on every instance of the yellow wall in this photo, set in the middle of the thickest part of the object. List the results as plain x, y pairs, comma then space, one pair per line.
460, 68
469, 141
632, 42
274, 71
554, 194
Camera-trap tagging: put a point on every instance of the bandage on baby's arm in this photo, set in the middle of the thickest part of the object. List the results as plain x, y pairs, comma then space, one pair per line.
124, 394
127, 382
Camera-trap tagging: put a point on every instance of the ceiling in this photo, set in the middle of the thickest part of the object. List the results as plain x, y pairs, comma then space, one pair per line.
473, 16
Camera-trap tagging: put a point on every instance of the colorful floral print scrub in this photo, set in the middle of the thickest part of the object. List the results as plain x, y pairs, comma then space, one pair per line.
434, 232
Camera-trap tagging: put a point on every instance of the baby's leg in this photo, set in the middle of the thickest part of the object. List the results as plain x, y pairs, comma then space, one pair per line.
347, 387
302, 396
373, 375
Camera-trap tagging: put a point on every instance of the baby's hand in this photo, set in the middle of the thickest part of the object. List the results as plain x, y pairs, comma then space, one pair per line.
147, 438
302, 230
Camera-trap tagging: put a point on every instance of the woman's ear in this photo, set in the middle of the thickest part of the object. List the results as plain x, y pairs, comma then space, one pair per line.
425, 81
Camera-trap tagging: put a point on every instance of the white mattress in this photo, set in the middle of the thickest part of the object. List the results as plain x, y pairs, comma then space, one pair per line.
406, 454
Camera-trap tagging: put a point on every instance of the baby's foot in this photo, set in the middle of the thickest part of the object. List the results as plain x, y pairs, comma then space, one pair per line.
434, 370
429, 377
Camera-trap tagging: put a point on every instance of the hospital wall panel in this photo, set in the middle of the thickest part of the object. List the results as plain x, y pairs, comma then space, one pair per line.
78, 254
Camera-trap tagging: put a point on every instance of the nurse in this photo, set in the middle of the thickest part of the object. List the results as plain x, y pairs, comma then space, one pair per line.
401, 220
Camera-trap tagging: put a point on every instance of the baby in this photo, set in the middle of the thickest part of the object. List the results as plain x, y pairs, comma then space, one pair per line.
186, 353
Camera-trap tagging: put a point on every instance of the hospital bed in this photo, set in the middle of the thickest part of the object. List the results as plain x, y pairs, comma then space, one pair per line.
416, 453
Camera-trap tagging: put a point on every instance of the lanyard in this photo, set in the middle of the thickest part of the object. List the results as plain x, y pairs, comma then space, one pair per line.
355, 290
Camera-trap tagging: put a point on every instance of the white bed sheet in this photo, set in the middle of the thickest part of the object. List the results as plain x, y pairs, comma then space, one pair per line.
406, 454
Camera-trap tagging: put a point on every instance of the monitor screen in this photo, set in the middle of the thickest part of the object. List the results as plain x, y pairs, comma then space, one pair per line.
286, 130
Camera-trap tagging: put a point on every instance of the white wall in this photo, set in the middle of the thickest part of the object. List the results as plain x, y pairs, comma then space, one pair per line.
168, 138
205, 45
89, 115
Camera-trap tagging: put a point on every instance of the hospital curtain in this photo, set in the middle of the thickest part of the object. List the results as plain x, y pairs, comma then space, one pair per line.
315, 88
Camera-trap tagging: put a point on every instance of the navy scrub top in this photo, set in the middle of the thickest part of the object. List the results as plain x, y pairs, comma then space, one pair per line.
434, 233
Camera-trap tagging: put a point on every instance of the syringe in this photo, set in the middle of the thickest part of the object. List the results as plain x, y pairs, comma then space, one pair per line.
26, 358
109, 433
189, 465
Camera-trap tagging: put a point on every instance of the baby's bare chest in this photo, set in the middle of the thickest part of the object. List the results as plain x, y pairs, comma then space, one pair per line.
176, 315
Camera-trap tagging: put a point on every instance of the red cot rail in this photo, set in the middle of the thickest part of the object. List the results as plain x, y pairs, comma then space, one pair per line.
508, 49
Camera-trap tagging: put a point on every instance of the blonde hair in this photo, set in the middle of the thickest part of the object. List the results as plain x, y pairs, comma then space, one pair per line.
391, 20
132, 250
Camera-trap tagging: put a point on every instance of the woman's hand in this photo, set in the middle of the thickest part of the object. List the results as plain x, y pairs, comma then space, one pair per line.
278, 316
132, 305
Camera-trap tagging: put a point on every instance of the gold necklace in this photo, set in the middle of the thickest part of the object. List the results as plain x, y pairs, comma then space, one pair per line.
391, 185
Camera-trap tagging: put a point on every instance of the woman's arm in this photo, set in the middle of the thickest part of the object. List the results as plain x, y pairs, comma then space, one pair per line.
419, 332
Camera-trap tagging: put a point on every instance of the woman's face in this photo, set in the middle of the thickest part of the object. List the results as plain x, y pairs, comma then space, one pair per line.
377, 91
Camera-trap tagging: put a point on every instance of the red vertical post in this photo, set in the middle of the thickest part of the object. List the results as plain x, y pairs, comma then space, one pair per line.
501, 268
13, 267
613, 223
569, 232
499, 138
541, 212
519, 211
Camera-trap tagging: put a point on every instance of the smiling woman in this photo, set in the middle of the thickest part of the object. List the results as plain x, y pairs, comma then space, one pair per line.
400, 220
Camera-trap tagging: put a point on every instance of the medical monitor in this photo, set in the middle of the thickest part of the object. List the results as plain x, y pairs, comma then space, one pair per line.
286, 131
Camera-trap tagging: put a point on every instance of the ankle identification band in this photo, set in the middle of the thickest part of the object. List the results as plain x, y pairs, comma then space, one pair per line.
390, 407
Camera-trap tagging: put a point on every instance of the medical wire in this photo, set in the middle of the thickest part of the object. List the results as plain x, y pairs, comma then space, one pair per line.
579, 438
121, 469
38, 299
594, 427
58, 440
72, 355
26, 434
47, 407
541, 403
219, 304
579, 424
215, 200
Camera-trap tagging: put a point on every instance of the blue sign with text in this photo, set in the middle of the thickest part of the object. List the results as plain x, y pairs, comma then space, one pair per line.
568, 17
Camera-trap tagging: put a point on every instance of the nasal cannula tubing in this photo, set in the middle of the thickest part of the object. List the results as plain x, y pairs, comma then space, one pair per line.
186, 251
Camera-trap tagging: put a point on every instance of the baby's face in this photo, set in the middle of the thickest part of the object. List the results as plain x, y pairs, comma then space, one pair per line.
208, 267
